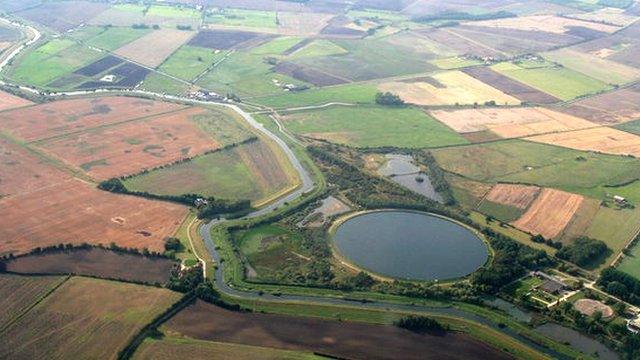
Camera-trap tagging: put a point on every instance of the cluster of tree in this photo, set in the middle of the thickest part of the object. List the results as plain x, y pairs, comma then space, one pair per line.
583, 251
388, 99
511, 260
436, 175
184, 27
541, 240
217, 207
420, 324
464, 16
85, 246
145, 26
192, 281
620, 284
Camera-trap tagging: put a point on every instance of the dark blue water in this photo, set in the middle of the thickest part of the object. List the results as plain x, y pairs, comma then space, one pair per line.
410, 245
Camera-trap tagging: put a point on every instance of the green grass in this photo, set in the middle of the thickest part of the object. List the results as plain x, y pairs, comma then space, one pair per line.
631, 263
454, 63
190, 61
50, 61
499, 211
373, 126
632, 127
173, 11
523, 286
543, 165
108, 38
318, 48
601, 69
615, 227
251, 240
163, 84
276, 46
244, 18
350, 93
560, 82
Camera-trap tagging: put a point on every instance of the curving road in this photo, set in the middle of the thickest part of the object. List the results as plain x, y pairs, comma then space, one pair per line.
307, 184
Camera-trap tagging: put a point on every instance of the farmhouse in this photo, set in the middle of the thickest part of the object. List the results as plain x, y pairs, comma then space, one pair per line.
619, 200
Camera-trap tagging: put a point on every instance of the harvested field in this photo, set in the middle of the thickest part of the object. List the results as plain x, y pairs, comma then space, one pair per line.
547, 23
130, 147
85, 319
608, 15
96, 262
21, 171
594, 66
64, 15
588, 307
222, 39
510, 122
519, 196
152, 49
76, 212
459, 45
99, 66
19, 293
581, 221
509, 86
456, 88
608, 108
8, 101
339, 26
66, 116
303, 24
167, 17
341, 339
605, 140
306, 74
549, 213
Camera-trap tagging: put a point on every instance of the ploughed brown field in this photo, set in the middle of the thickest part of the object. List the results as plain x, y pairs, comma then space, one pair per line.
509, 86
609, 108
8, 101
550, 213
95, 262
602, 139
519, 196
67, 116
130, 147
341, 339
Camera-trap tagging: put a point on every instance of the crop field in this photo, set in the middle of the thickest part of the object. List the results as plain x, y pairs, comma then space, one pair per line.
277, 46
510, 87
8, 101
510, 122
340, 339
242, 18
64, 15
76, 212
250, 171
631, 263
108, 38
189, 61
371, 127
317, 48
519, 196
611, 107
99, 66
171, 348
50, 61
127, 148
550, 213
96, 262
550, 166
548, 23
59, 326
455, 62
153, 48
596, 67
602, 139
309, 74
350, 93
19, 293
448, 88
68, 116
608, 15
159, 83
302, 23
226, 39
131, 14
557, 81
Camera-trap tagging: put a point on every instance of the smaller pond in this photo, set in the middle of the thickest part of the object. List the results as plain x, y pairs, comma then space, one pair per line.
510, 309
410, 245
578, 341
401, 170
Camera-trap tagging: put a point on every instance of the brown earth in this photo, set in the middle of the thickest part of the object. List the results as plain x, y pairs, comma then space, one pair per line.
265, 167
18, 293
96, 262
66, 116
519, 196
550, 213
153, 48
509, 86
130, 147
76, 212
588, 307
602, 139
342, 339
608, 108
9, 101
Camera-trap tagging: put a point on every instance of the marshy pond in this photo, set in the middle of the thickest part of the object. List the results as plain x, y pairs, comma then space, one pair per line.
410, 245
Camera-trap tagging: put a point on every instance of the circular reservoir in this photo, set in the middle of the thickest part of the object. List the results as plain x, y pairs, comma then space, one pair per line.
410, 245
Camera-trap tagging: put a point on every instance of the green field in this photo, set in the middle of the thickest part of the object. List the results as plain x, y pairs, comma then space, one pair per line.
276, 46
108, 38
601, 69
499, 211
631, 126
373, 126
631, 263
615, 227
454, 63
173, 11
560, 82
240, 17
349, 93
236, 173
526, 162
318, 48
50, 61
190, 61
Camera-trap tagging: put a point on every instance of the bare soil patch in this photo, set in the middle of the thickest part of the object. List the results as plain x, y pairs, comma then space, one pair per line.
550, 213
609, 108
589, 307
96, 262
153, 48
66, 116
131, 147
18, 293
75, 212
64, 15
8, 101
547, 23
519, 196
341, 339
223, 39
602, 139
509, 86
